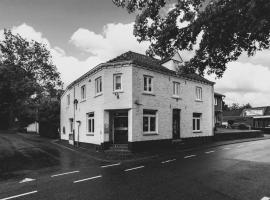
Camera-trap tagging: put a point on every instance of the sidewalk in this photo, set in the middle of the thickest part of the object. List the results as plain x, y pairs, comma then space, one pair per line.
126, 156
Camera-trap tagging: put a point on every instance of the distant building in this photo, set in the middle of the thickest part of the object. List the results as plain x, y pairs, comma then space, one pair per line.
218, 108
33, 128
257, 118
138, 101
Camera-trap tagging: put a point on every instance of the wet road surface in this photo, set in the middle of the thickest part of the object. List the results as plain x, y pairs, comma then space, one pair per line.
236, 171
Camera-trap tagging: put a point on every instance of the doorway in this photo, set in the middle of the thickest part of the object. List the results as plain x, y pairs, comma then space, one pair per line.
120, 127
176, 124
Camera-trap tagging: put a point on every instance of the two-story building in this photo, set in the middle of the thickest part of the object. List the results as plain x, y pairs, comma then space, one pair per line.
218, 108
138, 101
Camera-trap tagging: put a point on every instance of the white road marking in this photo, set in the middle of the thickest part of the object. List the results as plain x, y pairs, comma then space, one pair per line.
265, 198
27, 180
226, 148
87, 179
20, 195
134, 168
65, 173
190, 156
167, 161
240, 145
104, 166
209, 152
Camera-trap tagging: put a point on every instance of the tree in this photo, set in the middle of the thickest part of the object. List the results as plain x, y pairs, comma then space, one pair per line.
33, 57
27, 75
226, 27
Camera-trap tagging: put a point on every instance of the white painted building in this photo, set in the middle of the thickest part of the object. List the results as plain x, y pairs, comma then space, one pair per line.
137, 100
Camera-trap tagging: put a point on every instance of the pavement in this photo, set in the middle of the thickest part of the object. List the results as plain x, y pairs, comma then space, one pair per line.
223, 171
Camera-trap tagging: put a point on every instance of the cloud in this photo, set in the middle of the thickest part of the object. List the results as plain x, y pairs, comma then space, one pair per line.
114, 40
69, 67
245, 83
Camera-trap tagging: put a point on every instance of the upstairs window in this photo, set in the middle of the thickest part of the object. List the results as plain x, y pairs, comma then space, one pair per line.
148, 84
83, 92
117, 82
199, 93
197, 122
176, 89
98, 83
68, 99
149, 121
216, 101
91, 122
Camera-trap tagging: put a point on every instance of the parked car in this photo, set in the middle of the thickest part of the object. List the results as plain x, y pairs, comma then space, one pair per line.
241, 126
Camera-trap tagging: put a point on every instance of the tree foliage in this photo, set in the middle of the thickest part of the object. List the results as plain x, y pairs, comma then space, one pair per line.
27, 77
223, 28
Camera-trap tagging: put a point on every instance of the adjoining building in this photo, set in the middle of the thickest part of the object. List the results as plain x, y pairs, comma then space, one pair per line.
138, 101
218, 108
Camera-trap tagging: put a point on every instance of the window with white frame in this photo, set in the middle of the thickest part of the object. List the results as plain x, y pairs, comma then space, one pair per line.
91, 122
98, 83
83, 92
117, 82
149, 121
68, 99
216, 101
198, 93
197, 122
148, 83
176, 89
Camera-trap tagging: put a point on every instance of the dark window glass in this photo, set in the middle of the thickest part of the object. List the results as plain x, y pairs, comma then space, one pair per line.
145, 83
198, 124
149, 112
153, 124
194, 125
89, 125
145, 124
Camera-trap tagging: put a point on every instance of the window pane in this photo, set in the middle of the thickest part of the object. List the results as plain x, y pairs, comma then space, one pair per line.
153, 124
194, 124
145, 124
89, 125
198, 124
118, 82
93, 125
149, 84
145, 83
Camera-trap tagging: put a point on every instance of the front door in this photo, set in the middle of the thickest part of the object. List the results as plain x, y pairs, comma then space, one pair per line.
176, 124
121, 127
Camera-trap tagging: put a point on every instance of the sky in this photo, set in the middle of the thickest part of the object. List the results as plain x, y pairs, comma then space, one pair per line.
83, 33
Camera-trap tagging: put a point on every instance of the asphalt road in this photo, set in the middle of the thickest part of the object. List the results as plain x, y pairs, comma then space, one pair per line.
237, 171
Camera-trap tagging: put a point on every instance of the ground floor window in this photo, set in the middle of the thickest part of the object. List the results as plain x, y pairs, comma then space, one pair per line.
197, 122
149, 121
91, 122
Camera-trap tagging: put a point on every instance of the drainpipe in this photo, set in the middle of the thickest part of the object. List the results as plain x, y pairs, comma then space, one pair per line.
74, 105
79, 124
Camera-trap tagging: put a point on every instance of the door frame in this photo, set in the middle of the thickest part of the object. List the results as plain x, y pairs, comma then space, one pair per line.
113, 120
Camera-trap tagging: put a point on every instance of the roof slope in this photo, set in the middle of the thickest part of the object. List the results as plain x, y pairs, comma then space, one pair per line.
142, 61
154, 64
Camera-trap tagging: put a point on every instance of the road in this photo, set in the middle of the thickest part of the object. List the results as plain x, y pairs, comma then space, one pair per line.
229, 172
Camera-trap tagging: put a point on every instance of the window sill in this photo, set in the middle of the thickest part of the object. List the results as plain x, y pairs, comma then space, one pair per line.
198, 100
197, 131
149, 134
98, 94
90, 134
176, 97
118, 91
149, 93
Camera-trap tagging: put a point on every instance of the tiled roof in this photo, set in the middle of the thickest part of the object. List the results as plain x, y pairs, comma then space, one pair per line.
142, 61
154, 64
